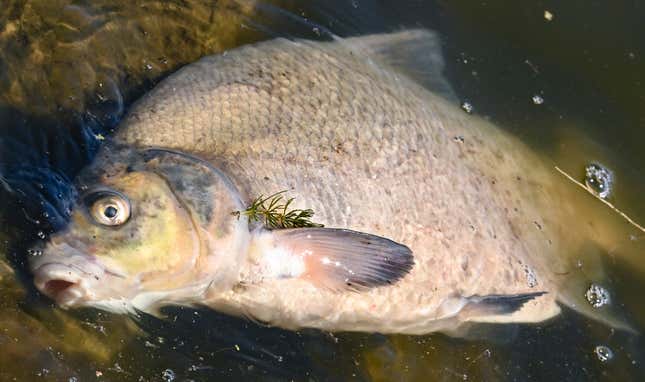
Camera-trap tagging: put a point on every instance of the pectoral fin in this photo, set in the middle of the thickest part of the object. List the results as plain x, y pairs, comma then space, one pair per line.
341, 259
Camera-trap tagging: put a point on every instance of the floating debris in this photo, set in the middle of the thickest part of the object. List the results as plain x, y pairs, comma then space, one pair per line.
467, 107
548, 16
603, 353
584, 187
532, 66
598, 180
597, 296
537, 99
149, 344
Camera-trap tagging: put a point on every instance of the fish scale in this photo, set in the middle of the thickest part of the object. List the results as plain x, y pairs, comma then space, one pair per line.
337, 131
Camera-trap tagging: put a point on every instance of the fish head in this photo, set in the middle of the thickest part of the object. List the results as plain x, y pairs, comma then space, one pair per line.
148, 227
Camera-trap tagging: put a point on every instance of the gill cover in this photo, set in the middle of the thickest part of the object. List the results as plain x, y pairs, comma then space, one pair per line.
205, 190
210, 197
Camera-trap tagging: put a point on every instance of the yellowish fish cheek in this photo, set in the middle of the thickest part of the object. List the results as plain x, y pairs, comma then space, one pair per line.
155, 240
154, 248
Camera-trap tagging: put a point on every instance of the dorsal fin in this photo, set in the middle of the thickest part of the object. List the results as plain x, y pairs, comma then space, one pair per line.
415, 53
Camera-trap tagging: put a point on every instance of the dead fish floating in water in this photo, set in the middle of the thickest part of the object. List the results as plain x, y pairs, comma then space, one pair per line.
431, 234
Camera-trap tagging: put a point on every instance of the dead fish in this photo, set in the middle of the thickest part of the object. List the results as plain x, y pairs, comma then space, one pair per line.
434, 217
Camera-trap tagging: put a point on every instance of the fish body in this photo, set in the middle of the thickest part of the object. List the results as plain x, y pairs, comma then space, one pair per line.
387, 164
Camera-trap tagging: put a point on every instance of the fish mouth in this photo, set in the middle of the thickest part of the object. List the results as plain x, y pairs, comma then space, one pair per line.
62, 283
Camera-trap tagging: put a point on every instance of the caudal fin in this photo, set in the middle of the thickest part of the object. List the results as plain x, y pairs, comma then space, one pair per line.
578, 294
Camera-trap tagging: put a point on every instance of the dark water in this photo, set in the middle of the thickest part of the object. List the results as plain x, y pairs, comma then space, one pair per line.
70, 69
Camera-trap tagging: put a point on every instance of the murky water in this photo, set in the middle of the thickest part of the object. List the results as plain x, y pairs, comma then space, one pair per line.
570, 84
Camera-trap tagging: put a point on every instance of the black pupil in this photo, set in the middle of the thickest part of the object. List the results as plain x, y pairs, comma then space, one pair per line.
110, 212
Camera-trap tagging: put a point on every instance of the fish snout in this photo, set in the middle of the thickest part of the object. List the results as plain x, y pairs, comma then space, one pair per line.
62, 283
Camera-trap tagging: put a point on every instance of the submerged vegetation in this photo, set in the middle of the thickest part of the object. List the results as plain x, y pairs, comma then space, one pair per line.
274, 213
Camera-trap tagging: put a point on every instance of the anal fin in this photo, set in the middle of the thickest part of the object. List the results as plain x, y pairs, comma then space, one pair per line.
496, 305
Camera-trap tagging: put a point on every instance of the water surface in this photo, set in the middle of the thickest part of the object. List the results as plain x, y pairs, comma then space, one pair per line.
70, 69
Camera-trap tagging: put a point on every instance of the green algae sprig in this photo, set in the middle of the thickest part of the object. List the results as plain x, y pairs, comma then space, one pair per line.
273, 211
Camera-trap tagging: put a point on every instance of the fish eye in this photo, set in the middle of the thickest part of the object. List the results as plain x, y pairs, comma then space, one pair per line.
108, 208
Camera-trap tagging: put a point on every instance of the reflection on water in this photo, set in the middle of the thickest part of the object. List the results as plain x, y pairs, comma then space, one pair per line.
64, 53
69, 69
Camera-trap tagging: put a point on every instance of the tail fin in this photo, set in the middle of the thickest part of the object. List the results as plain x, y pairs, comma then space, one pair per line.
609, 228
574, 290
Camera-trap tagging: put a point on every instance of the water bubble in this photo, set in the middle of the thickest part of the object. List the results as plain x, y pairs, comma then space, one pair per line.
603, 353
548, 16
34, 252
41, 235
148, 66
72, 379
537, 99
597, 296
355, 3
598, 180
467, 107
168, 375
531, 278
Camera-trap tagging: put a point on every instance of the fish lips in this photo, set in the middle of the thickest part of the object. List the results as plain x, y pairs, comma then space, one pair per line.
70, 280
63, 283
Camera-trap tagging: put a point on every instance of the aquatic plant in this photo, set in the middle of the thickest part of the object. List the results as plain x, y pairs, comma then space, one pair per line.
274, 213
